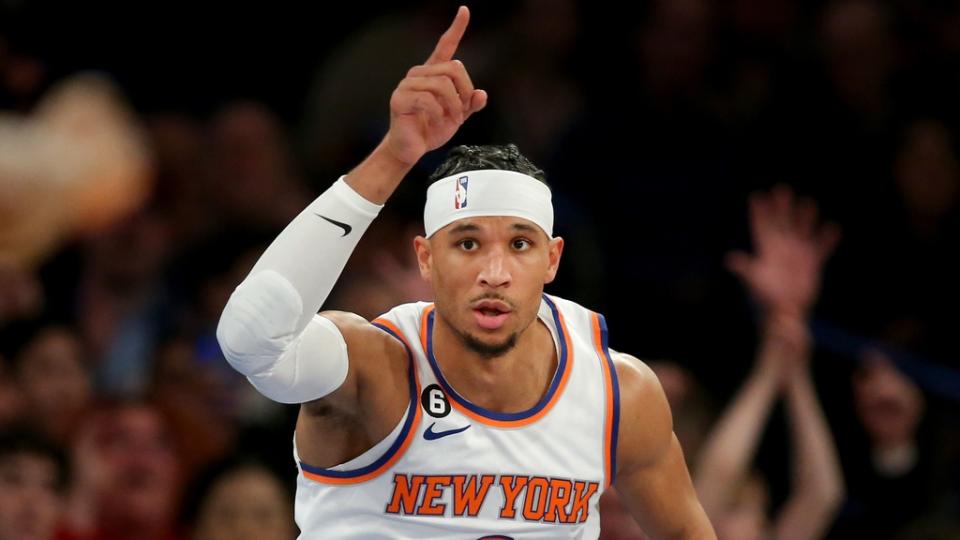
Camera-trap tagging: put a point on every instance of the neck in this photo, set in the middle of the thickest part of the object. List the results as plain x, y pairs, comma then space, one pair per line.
510, 383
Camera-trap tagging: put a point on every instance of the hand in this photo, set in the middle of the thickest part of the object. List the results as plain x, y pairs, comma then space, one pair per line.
433, 100
791, 246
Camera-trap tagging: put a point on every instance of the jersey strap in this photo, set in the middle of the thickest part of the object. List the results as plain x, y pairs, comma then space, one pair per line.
399, 446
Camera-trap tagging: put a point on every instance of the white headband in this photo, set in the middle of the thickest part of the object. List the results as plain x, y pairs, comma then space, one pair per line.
487, 193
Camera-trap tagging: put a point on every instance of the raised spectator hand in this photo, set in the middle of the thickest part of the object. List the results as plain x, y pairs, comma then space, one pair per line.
434, 99
790, 247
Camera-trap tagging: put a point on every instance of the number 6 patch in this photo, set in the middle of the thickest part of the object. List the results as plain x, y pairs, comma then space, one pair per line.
434, 401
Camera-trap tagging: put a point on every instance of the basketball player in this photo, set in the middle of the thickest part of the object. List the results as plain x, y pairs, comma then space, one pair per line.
496, 412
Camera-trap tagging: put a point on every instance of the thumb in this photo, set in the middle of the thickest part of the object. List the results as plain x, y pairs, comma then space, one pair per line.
477, 101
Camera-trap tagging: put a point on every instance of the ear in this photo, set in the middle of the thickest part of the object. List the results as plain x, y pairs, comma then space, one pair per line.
421, 246
555, 250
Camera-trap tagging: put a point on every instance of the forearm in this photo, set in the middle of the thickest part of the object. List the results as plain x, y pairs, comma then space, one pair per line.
817, 488
262, 329
730, 447
312, 251
376, 177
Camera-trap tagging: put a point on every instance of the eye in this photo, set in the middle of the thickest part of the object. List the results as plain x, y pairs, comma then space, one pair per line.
521, 244
468, 244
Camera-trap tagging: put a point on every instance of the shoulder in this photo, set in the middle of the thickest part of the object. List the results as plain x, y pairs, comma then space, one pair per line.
376, 363
646, 424
365, 341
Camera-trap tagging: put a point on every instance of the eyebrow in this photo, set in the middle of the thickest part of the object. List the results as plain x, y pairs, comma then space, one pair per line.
473, 227
524, 227
464, 227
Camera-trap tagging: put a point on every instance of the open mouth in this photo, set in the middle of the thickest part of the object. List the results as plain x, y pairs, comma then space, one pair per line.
491, 314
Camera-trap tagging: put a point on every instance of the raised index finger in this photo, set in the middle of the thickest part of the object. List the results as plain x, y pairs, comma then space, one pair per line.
450, 40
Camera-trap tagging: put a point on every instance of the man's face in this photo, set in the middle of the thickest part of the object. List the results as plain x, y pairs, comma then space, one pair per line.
53, 376
488, 275
247, 504
29, 502
127, 457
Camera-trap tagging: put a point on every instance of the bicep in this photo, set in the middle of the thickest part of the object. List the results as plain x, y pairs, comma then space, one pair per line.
653, 477
660, 494
372, 357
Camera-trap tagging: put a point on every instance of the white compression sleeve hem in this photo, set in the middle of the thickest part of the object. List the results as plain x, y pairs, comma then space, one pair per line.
269, 330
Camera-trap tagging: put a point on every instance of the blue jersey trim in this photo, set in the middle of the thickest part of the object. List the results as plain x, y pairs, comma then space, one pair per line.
398, 442
493, 415
615, 385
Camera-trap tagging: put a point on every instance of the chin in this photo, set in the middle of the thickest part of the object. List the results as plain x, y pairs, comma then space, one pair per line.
489, 348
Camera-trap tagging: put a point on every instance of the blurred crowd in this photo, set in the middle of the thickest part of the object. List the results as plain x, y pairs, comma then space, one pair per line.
805, 335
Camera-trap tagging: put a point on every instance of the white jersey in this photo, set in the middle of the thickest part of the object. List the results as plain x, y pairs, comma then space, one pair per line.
452, 469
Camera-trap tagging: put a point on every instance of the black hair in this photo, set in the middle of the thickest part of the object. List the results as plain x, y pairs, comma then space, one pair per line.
19, 335
489, 156
208, 478
18, 440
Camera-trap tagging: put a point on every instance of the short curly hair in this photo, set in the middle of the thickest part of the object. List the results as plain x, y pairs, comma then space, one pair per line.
483, 157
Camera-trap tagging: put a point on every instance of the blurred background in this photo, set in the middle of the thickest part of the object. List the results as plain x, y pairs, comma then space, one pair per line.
149, 152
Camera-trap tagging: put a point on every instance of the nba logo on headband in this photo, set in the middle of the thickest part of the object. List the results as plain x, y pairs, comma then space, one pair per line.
493, 192
460, 199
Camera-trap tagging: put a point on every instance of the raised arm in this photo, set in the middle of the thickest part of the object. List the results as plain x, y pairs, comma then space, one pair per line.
817, 486
269, 330
728, 452
783, 277
652, 477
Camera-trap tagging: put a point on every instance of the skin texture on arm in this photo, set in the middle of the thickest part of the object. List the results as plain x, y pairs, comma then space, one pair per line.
817, 485
369, 403
783, 277
652, 477
728, 452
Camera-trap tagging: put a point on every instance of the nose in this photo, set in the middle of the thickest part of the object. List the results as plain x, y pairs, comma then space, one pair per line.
495, 272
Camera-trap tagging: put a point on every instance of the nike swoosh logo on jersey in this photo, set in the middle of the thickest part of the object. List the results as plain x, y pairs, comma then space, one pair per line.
346, 228
432, 435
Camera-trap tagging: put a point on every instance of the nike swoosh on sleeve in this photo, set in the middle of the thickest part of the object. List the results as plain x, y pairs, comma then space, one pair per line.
346, 228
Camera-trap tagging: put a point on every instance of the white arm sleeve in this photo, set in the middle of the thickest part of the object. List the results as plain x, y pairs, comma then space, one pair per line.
269, 330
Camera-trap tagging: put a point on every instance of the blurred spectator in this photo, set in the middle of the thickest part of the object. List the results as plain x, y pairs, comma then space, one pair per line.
123, 302
240, 500
33, 478
692, 410
675, 48
927, 173
854, 101
198, 401
53, 376
252, 179
783, 277
900, 480
127, 476
22, 73
76, 165
181, 194
20, 294
902, 251
11, 399
858, 50
537, 44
